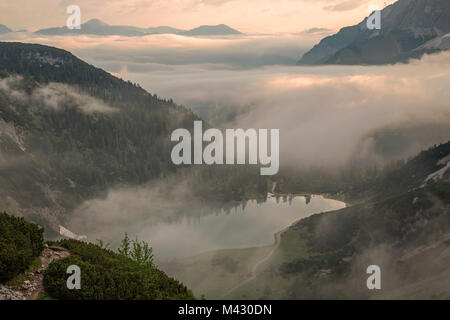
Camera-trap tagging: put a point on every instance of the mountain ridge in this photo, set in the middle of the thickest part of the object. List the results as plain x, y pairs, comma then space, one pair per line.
405, 26
4, 29
100, 28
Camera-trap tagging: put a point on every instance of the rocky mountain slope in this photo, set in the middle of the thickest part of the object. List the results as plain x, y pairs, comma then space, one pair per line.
406, 26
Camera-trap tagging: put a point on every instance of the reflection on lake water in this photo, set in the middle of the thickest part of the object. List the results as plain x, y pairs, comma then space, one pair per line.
252, 224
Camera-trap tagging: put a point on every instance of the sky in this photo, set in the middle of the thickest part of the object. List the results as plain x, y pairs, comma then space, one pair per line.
249, 16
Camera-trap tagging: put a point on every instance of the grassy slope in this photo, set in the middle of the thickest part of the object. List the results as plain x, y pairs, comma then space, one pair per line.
211, 274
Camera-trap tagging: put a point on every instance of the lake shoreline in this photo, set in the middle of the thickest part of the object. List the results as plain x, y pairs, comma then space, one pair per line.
279, 232
248, 260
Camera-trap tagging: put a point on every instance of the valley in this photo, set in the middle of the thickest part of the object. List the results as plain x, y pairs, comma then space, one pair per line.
141, 154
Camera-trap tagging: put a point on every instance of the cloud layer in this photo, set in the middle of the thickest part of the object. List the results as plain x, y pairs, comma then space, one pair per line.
56, 96
250, 16
374, 113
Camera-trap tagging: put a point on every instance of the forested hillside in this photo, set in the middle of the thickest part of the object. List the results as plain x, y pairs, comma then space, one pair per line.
70, 131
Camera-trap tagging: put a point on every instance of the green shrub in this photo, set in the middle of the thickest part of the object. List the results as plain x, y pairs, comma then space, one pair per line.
20, 243
106, 275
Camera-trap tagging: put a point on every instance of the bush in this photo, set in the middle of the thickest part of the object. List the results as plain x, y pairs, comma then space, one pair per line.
106, 275
20, 243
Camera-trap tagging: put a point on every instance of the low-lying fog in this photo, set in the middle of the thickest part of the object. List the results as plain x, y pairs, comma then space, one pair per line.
193, 230
326, 115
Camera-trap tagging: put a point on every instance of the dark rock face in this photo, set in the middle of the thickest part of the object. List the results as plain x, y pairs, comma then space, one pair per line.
405, 26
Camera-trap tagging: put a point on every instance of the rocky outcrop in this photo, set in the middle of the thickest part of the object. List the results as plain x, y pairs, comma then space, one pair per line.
6, 293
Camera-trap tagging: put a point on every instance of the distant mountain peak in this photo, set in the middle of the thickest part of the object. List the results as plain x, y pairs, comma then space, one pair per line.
206, 30
100, 28
95, 23
4, 29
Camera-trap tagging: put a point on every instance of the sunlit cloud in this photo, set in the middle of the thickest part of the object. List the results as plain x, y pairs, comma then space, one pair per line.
249, 16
